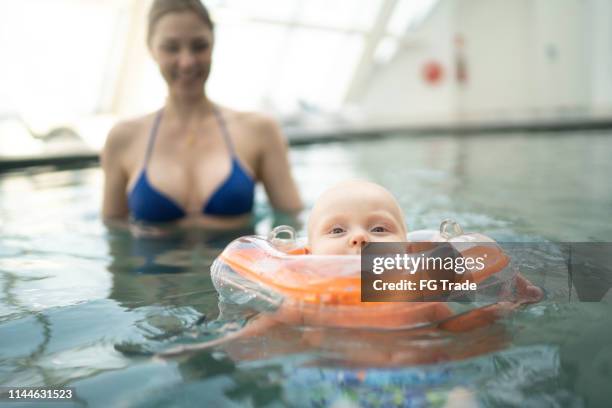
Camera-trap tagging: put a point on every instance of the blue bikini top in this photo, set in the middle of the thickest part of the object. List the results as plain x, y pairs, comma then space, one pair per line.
233, 197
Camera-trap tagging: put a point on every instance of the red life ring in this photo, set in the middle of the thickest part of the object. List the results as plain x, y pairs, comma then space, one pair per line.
433, 72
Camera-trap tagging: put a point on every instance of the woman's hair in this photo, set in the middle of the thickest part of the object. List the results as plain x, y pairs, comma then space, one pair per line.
160, 8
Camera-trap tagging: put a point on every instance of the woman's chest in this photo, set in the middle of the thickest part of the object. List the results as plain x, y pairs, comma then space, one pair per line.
196, 173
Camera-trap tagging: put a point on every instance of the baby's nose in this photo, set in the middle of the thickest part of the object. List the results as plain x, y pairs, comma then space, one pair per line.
359, 240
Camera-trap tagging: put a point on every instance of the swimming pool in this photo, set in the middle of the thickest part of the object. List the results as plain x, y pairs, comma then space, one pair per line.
83, 306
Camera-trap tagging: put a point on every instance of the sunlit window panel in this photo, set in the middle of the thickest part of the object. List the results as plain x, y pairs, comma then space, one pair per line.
386, 50
260, 9
316, 68
150, 92
345, 14
245, 62
407, 14
60, 53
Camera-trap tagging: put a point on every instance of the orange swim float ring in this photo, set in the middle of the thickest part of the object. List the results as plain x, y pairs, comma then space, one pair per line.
278, 276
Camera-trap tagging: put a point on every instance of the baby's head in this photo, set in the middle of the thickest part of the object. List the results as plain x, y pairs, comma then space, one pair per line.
351, 214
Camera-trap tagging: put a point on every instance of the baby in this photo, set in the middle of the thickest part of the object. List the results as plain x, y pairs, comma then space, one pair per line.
344, 219
352, 213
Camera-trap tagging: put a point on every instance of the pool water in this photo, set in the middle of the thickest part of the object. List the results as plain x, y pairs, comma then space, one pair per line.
84, 306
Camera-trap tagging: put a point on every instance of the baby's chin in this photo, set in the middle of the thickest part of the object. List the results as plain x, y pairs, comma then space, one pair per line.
333, 251
391, 247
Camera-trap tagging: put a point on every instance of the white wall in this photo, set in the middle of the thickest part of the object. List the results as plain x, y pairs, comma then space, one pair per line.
496, 34
398, 89
599, 39
524, 59
560, 54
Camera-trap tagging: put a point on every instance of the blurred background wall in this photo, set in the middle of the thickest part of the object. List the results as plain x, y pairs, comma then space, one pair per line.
499, 59
84, 63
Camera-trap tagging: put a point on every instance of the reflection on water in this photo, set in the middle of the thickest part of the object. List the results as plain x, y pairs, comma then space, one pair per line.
85, 306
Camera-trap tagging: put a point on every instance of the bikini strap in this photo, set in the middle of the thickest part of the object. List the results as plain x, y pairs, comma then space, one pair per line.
224, 131
152, 136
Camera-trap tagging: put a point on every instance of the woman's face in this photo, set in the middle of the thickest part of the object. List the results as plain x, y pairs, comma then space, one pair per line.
181, 45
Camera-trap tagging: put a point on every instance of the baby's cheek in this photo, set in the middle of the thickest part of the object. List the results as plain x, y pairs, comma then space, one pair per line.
391, 238
330, 247
319, 247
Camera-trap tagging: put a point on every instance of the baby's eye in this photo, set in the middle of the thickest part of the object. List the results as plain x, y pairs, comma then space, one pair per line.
336, 230
379, 229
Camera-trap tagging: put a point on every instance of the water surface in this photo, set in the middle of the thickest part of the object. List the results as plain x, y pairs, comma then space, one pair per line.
83, 306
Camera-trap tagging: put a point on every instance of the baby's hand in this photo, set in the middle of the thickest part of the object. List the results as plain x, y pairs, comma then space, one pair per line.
527, 292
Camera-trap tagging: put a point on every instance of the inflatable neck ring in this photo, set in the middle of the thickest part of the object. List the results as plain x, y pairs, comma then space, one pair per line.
277, 276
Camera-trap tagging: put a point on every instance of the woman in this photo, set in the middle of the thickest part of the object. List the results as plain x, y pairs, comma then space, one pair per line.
192, 162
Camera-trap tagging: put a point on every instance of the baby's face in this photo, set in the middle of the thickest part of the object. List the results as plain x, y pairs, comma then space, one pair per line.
349, 216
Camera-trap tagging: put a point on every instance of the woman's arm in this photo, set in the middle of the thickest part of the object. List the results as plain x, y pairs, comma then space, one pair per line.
275, 171
114, 203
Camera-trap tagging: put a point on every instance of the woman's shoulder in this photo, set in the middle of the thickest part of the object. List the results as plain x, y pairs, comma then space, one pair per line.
254, 120
126, 132
264, 128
